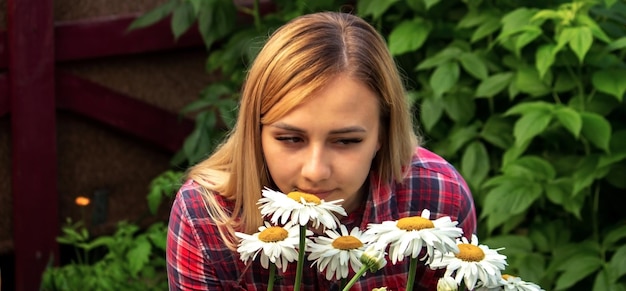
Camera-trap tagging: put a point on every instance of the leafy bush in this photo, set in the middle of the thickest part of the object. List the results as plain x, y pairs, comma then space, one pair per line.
130, 259
525, 98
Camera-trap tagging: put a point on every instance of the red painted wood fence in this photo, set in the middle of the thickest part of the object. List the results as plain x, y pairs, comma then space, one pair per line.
31, 92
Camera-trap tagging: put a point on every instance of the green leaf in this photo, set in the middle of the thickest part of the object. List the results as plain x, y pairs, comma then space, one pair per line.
549, 235
530, 167
532, 267
580, 41
444, 78
560, 192
430, 3
430, 112
459, 107
610, 81
475, 163
530, 125
616, 175
498, 131
586, 21
154, 198
491, 25
153, 16
617, 44
473, 64
604, 282
182, 19
494, 84
570, 119
585, 171
564, 82
458, 136
597, 129
474, 18
515, 22
408, 36
139, 255
528, 81
511, 198
513, 153
614, 237
578, 268
617, 265
216, 20
544, 59
530, 33
444, 56
512, 244
375, 8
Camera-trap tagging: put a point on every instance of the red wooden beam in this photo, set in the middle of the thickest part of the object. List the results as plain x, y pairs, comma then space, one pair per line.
145, 121
30, 43
4, 95
93, 38
110, 36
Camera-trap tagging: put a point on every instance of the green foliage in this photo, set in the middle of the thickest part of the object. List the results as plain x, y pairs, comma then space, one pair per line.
526, 98
126, 260
130, 259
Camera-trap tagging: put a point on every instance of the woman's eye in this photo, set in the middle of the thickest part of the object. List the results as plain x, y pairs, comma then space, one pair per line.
289, 139
349, 141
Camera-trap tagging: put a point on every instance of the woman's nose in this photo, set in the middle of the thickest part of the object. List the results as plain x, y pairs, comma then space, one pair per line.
316, 165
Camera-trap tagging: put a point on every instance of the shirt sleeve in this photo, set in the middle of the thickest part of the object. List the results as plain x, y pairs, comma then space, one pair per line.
187, 264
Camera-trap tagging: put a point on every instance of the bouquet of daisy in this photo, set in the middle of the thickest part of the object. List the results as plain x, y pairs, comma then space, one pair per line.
285, 238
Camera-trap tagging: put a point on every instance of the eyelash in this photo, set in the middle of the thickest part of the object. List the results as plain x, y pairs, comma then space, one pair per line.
293, 139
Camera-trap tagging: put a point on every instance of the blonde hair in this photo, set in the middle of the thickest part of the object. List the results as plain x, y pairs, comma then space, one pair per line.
298, 59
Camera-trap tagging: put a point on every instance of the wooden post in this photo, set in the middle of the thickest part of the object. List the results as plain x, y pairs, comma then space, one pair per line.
30, 34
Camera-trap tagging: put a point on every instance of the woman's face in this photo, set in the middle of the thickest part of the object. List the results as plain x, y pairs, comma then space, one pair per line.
326, 145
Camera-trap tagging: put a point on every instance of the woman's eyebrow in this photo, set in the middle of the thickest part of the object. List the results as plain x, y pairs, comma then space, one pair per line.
348, 129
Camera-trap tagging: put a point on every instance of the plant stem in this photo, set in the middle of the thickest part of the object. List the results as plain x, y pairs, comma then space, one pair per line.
411, 276
270, 283
356, 277
300, 266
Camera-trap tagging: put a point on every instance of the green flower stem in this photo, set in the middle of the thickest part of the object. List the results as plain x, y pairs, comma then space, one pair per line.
300, 267
411, 276
356, 277
270, 283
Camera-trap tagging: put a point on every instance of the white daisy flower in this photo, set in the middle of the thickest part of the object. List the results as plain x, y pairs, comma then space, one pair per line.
473, 263
277, 244
339, 251
407, 236
300, 208
512, 283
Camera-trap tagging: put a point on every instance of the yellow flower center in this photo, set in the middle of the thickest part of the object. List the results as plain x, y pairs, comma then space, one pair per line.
310, 198
470, 253
414, 223
507, 276
273, 234
347, 242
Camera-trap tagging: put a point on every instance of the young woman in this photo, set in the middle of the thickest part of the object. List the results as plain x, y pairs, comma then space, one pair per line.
323, 110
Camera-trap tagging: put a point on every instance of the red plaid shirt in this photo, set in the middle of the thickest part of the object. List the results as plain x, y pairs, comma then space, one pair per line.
198, 260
